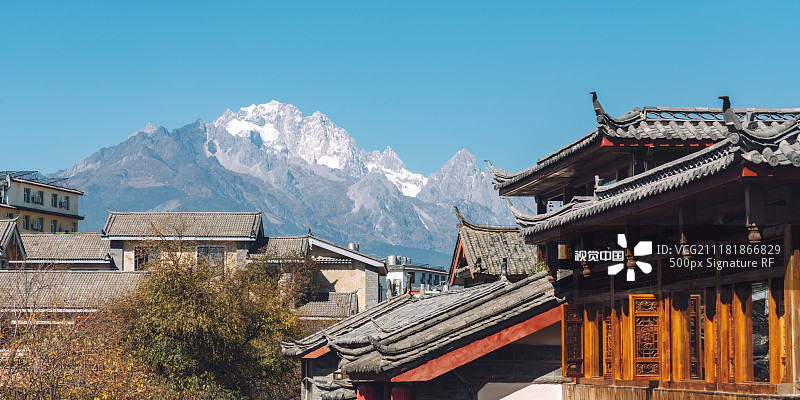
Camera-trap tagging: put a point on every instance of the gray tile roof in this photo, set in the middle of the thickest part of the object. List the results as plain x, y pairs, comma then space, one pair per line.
345, 249
741, 146
65, 247
63, 289
404, 332
233, 225
283, 246
8, 229
330, 305
658, 123
486, 246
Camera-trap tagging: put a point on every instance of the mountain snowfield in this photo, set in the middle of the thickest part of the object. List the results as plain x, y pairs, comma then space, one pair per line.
304, 172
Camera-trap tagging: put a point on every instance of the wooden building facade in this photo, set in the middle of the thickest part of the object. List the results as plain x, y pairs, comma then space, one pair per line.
682, 229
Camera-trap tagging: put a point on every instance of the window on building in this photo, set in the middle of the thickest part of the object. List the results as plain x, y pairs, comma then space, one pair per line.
422, 278
10, 215
66, 202
213, 255
411, 277
54, 200
74, 227
53, 226
26, 222
26, 195
40, 197
143, 256
40, 224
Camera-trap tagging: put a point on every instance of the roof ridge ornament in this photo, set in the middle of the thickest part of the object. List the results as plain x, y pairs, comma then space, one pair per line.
606, 121
602, 116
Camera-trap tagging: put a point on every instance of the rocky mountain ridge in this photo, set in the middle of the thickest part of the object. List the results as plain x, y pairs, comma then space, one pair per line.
304, 172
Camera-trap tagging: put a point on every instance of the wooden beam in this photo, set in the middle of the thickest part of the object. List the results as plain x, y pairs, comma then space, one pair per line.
318, 352
462, 355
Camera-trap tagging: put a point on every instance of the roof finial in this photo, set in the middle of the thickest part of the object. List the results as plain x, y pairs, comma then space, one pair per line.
504, 270
731, 120
408, 285
598, 109
459, 216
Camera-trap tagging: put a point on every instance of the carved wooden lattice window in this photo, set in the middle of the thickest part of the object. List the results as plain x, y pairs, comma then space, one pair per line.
695, 337
608, 335
573, 338
645, 336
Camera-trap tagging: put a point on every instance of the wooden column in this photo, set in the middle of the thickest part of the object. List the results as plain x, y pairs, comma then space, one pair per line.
724, 305
567, 194
754, 210
664, 351
626, 340
710, 345
592, 353
743, 329
777, 358
679, 314
687, 218
616, 333
551, 248
366, 392
541, 206
791, 290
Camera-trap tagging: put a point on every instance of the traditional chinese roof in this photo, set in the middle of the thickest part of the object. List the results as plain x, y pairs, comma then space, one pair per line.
334, 390
657, 124
404, 332
773, 145
9, 231
303, 245
63, 290
286, 245
245, 226
348, 252
41, 247
330, 305
485, 247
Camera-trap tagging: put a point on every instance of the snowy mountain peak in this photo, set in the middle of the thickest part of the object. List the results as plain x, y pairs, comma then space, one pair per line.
390, 164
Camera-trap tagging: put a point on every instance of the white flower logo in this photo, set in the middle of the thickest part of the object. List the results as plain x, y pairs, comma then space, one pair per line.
643, 248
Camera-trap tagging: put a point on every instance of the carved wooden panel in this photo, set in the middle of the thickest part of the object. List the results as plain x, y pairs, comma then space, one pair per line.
608, 343
646, 361
573, 340
695, 337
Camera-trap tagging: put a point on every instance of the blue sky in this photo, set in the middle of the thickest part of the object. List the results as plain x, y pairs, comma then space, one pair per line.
508, 81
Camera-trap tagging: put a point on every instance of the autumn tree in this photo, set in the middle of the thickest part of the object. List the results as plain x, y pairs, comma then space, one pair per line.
199, 324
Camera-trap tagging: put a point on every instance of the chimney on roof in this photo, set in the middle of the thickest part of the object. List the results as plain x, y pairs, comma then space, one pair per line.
504, 270
408, 285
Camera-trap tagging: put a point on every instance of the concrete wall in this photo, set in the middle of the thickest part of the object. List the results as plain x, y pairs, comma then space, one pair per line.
233, 257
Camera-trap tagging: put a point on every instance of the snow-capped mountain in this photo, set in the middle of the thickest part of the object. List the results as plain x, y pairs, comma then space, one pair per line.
303, 171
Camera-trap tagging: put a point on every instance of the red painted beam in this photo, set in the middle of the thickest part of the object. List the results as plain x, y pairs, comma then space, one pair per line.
318, 352
478, 348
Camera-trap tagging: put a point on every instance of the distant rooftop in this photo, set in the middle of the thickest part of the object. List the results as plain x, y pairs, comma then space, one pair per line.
33, 176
